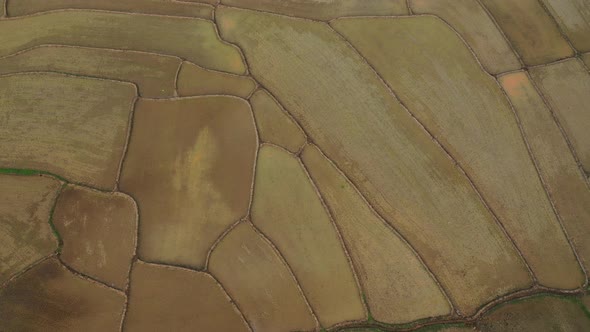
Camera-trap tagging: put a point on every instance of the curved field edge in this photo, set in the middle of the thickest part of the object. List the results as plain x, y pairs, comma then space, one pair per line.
428, 325
423, 325
31, 172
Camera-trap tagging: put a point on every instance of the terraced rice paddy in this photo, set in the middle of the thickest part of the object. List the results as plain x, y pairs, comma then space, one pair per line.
294, 165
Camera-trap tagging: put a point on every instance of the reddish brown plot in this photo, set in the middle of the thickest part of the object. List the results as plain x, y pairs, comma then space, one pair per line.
50, 298
99, 233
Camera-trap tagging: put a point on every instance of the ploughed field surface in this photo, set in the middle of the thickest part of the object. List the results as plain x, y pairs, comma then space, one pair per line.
294, 165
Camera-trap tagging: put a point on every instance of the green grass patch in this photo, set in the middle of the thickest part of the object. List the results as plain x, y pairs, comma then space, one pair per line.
15, 171
29, 172
370, 318
440, 327
60, 241
582, 306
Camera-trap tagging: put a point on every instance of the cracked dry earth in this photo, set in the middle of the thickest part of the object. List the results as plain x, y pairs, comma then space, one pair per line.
294, 165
